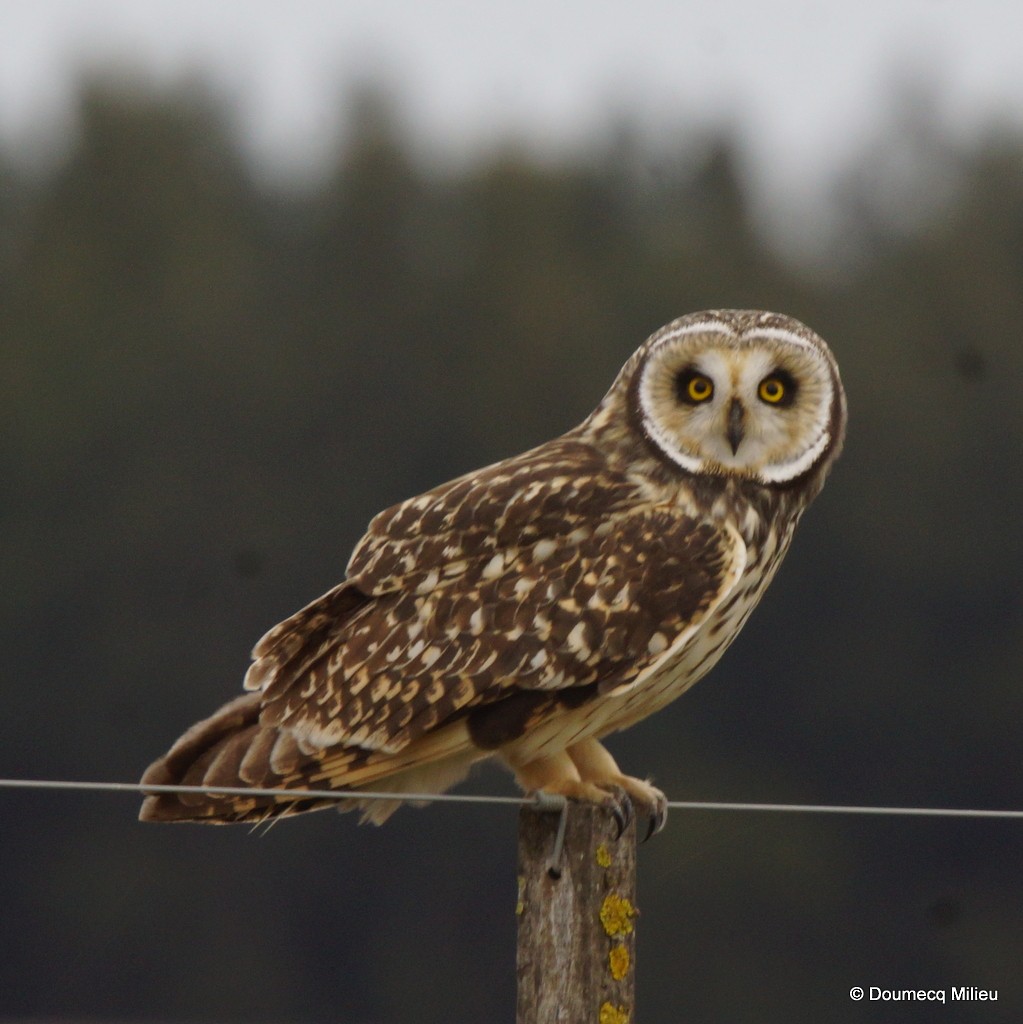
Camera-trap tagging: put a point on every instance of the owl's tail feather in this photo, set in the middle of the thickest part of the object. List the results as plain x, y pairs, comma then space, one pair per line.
232, 748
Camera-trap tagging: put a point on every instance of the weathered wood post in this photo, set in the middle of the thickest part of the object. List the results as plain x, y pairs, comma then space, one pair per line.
576, 945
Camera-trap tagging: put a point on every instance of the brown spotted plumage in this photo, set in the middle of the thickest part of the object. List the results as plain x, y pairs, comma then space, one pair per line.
530, 608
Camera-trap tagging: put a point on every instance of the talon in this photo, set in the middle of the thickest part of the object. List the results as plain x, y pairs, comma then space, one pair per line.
619, 804
658, 817
651, 829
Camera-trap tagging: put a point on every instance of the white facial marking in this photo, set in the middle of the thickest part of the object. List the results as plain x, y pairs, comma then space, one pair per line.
783, 471
781, 334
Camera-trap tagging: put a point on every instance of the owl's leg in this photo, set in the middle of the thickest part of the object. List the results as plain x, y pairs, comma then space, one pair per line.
595, 765
557, 773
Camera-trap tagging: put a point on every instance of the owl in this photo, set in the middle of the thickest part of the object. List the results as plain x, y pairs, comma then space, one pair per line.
525, 611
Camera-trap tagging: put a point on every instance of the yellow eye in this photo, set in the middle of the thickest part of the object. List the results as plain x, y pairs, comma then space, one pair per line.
693, 387
772, 390
698, 388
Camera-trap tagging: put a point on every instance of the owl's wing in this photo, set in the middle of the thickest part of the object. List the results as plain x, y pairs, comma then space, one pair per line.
543, 573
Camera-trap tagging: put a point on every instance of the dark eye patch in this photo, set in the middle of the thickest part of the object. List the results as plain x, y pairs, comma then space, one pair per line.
779, 382
693, 387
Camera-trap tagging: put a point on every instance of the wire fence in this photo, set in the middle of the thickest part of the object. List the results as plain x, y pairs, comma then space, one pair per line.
470, 798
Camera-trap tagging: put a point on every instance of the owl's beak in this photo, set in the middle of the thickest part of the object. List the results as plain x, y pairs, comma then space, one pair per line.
735, 430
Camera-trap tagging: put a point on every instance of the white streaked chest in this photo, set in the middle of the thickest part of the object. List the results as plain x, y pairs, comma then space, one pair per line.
672, 675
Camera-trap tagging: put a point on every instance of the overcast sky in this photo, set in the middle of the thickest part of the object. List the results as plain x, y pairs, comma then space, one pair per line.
806, 80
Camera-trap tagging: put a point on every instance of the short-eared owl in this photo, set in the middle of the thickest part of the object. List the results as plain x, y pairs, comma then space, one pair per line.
529, 609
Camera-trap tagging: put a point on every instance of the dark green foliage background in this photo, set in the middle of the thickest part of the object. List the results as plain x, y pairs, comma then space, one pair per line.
209, 384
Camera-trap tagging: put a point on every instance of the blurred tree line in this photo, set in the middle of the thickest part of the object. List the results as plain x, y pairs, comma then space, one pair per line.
209, 384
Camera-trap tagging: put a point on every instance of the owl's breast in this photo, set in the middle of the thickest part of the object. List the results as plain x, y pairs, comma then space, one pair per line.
678, 670
669, 676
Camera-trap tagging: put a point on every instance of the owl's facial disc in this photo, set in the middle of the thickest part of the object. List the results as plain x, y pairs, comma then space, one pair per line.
755, 404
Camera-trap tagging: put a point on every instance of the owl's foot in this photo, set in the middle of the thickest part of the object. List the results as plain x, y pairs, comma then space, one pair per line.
625, 791
652, 803
588, 773
614, 799
557, 775
596, 765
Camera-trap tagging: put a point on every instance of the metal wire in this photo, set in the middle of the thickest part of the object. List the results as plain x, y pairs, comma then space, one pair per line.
540, 800
287, 794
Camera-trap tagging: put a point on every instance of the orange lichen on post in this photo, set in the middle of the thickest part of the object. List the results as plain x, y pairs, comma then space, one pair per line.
610, 1014
616, 914
619, 961
603, 856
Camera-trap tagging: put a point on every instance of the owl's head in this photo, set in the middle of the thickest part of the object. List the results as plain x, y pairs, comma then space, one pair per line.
738, 393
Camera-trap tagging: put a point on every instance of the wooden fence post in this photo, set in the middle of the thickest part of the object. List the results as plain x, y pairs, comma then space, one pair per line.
577, 939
